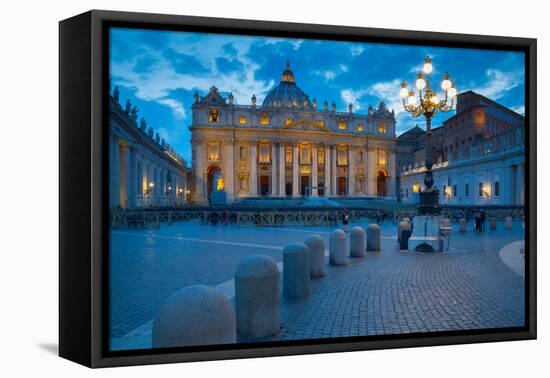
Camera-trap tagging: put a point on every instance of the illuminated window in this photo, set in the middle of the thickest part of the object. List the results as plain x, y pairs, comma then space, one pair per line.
382, 127
342, 156
416, 187
242, 120
342, 125
263, 155
264, 119
214, 152
360, 127
321, 155
288, 120
382, 157
214, 116
305, 153
288, 154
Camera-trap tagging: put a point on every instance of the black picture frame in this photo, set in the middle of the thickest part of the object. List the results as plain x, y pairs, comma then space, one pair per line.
83, 158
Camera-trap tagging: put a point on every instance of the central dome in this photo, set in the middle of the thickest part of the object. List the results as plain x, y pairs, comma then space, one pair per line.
287, 94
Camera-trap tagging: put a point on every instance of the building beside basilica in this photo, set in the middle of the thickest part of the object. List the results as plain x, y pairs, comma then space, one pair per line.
479, 156
144, 171
288, 147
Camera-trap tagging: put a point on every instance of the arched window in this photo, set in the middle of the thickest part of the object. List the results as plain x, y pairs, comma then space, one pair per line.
264, 119
213, 117
342, 125
242, 120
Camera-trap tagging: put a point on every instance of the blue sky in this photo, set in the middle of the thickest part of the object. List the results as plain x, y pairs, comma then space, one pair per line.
159, 71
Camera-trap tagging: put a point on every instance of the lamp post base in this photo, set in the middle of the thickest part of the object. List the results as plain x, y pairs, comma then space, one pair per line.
429, 203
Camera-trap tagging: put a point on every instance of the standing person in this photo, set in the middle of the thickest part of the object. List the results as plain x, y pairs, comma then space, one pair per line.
477, 221
345, 221
225, 217
483, 215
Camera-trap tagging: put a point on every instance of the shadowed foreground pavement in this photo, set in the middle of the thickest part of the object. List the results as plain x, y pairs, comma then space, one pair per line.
387, 292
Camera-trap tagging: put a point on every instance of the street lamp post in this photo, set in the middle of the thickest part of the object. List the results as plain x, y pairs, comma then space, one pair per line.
428, 103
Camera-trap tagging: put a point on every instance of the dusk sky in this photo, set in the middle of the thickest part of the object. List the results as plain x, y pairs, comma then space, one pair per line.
159, 71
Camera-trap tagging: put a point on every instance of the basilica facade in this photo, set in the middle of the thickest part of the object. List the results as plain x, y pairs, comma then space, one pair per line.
289, 147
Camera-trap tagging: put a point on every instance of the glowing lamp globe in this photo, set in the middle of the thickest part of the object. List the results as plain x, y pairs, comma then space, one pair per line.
428, 68
404, 92
452, 92
420, 83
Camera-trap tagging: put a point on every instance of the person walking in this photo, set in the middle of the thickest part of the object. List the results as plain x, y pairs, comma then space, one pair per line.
482, 217
345, 221
477, 221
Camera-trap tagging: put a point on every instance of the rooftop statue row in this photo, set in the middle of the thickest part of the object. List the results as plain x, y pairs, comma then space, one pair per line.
286, 95
132, 113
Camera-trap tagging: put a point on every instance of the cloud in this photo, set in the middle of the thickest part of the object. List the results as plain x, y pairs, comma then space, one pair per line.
520, 109
331, 74
177, 107
388, 91
356, 50
498, 83
351, 96
191, 63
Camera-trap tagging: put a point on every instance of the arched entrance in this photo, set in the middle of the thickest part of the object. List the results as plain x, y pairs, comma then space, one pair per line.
212, 174
381, 178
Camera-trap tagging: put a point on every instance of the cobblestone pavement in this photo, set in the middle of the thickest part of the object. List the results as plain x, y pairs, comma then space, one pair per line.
386, 292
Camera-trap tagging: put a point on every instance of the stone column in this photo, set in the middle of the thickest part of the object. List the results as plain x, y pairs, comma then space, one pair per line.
295, 174
115, 172
391, 172
229, 174
520, 184
132, 184
314, 192
273, 169
124, 175
282, 157
328, 171
199, 195
351, 171
371, 171
253, 169
334, 170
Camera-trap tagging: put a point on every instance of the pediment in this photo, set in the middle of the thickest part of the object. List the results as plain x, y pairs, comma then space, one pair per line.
305, 125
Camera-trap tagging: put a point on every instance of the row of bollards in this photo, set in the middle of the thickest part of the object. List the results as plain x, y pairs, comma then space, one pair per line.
202, 315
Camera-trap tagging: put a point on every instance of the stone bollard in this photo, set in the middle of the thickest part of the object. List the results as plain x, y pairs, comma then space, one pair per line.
373, 237
463, 224
195, 315
403, 226
296, 271
508, 223
316, 248
257, 297
358, 242
493, 224
338, 248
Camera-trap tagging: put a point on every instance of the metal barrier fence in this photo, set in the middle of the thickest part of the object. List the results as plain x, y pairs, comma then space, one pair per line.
279, 218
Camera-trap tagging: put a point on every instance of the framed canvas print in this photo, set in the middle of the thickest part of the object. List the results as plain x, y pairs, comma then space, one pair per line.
234, 188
